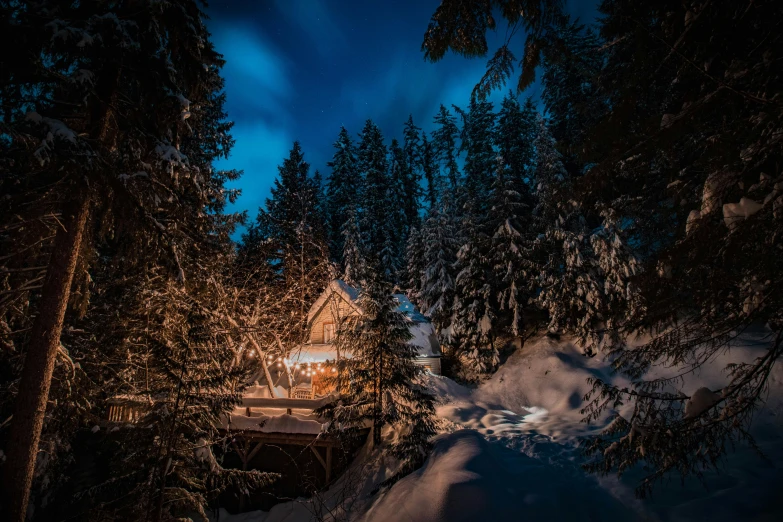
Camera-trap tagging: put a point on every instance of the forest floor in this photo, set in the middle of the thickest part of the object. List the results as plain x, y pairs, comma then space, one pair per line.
510, 450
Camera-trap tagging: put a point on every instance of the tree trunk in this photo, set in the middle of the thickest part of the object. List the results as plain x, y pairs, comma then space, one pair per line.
41, 353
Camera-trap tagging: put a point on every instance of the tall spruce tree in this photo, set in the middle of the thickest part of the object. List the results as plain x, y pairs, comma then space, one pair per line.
412, 163
474, 318
510, 226
397, 226
431, 172
415, 265
515, 133
386, 387
373, 164
343, 191
550, 176
477, 142
111, 126
354, 262
572, 67
440, 238
296, 231
444, 145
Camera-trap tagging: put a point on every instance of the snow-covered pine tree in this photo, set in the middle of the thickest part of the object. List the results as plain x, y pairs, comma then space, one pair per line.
296, 229
444, 145
550, 176
373, 164
515, 134
699, 187
386, 385
510, 226
354, 264
396, 225
111, 125
169, 351
440, 241
342, 191
572, 67
474, 317
415, 265
412, 163
570, 281
431, 172
477, 142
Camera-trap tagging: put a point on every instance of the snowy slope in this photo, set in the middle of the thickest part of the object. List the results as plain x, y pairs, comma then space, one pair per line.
510, 452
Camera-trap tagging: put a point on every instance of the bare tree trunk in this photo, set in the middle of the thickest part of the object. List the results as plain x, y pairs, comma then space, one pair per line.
39, 361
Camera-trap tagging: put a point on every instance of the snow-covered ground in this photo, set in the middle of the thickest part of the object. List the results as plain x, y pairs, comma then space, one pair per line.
510, 451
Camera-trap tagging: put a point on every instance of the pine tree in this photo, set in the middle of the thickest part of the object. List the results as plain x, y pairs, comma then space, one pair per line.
477, 142
396, 226
550, 175
86, 146
474, 318
431, 172
342, 193
354, 264
515, 134
412, 163
510, 225
373, 165
440, 242
415, 266
297, 233
572, 66
386, 386
444, 145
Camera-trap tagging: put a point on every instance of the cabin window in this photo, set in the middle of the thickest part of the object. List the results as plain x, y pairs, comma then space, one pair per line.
328, 332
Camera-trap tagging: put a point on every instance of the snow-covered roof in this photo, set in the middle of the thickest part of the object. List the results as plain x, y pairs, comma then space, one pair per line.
314, 353
351, 296
425, 339
282, 423
404, 305
339, 287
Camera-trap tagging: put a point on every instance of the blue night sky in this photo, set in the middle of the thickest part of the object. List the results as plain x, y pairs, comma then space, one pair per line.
299, 69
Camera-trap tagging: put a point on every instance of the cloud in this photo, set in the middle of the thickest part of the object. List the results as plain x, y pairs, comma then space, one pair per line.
314, 18
257, 77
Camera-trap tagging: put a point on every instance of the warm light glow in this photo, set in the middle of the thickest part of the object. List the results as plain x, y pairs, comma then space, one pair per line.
334, 370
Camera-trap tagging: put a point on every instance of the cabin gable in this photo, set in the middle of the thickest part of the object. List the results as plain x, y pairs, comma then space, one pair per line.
332, 312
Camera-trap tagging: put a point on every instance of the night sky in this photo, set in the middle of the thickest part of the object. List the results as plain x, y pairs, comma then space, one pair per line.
299, 69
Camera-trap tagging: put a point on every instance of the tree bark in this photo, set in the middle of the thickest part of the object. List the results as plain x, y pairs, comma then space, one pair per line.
41, 353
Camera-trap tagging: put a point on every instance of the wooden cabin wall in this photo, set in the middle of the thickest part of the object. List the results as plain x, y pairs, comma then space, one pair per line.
335, 310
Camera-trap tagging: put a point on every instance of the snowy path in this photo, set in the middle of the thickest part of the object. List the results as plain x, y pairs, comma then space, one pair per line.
531, 407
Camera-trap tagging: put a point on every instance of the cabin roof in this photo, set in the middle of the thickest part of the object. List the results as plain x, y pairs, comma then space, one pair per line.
348, 293
351, 296
424, 336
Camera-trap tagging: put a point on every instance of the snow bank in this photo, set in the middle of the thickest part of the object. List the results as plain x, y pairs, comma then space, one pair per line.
468, 478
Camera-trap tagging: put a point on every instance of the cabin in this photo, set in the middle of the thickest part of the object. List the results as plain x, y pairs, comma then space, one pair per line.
276, 427
340, 301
